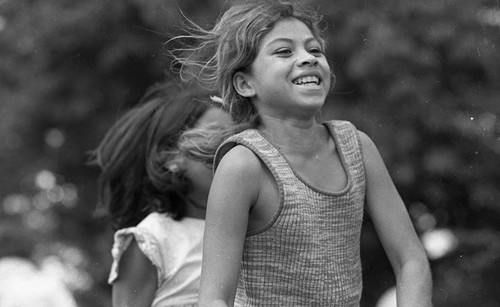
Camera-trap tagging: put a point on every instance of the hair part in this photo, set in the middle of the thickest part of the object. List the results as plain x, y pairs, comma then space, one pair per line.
215, 55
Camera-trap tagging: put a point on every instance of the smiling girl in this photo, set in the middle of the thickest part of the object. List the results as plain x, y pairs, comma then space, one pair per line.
287, 201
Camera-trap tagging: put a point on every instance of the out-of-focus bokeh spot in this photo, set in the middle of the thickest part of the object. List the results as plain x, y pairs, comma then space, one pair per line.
23, 284
388, 298
439, 242
54, 138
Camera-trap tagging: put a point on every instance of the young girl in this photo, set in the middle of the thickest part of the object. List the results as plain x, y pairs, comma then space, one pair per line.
156, 193
286, 204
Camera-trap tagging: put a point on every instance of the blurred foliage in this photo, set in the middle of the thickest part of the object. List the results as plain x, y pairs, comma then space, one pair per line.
422, 78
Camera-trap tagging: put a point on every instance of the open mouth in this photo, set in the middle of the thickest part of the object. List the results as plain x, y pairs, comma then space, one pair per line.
307, 80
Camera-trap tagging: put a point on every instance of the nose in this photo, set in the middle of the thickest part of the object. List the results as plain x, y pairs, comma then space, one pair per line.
307, 59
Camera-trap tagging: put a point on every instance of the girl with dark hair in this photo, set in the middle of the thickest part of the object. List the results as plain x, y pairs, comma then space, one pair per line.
287, 201
155, 192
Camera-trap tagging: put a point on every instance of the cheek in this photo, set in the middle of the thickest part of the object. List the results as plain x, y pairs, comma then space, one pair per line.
328, 74
326, 65
203, 180
199, 175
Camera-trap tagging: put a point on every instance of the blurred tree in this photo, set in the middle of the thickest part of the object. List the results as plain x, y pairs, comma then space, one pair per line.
422, 78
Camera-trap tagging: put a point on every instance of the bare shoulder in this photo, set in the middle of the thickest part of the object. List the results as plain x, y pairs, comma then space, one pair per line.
369, 149
366, 141
238, 176
240, 160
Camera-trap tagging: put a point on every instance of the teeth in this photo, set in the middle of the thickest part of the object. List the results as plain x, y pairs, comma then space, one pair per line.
306, 80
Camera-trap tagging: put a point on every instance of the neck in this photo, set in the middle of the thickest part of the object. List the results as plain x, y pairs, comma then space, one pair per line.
294, 136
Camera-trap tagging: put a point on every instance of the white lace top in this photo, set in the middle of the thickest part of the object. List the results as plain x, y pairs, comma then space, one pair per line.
175, 249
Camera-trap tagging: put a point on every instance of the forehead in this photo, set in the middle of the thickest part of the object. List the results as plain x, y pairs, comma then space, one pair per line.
288, 29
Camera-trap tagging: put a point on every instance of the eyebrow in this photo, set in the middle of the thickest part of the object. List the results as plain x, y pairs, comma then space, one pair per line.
290, 41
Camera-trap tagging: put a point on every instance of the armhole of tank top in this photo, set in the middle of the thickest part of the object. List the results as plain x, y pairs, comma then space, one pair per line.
240, 140
352, 129
361, 157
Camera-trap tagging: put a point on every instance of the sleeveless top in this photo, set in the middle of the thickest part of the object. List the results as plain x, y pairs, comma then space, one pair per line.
309, 253
174, 248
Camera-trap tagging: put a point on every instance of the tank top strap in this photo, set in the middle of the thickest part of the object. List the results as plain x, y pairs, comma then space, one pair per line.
349, 143
253, 140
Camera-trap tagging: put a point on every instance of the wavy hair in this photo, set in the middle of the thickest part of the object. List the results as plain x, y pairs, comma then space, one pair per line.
201, 143
134, 155
213, 56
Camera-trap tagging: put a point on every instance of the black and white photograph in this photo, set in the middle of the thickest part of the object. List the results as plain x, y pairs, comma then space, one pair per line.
196, 153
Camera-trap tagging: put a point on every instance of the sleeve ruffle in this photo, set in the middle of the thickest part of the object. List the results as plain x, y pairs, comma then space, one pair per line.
147, 244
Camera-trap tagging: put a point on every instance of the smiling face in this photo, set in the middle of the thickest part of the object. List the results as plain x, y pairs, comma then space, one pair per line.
290, 76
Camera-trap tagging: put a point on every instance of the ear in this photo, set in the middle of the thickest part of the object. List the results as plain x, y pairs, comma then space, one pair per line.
242, 86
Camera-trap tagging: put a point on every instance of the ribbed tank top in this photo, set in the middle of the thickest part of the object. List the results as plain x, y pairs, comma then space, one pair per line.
309, 253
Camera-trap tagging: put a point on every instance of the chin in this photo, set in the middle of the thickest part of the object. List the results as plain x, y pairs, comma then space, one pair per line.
314, 103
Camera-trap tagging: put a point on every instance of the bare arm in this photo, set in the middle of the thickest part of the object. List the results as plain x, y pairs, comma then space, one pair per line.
137, 282
234, 189
396, 232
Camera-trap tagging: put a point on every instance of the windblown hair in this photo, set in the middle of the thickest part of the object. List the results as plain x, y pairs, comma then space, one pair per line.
134, 155
213, 56
201, 143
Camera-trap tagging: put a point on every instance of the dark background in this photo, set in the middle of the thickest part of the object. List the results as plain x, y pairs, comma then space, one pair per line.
421, 77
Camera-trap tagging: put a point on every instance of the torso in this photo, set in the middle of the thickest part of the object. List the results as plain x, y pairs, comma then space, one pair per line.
323, 170
302, 248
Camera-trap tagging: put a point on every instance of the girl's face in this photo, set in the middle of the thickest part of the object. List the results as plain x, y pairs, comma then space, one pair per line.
290, 76
197, 173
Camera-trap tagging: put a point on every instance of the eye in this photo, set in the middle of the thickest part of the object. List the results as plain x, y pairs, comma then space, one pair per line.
316, 50
283, 51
